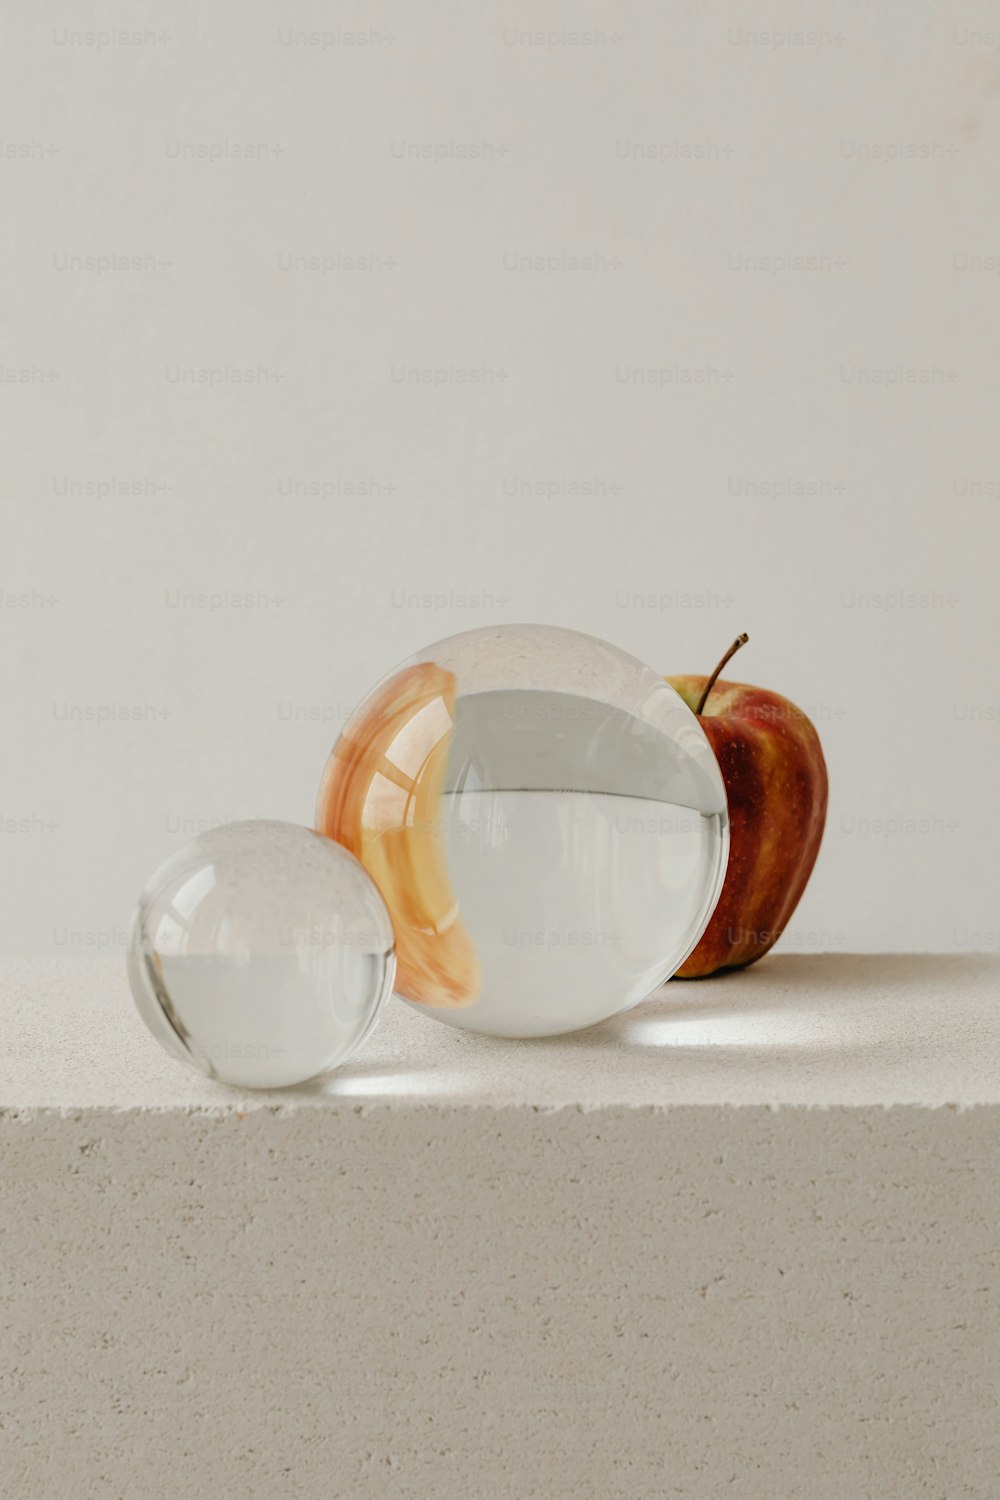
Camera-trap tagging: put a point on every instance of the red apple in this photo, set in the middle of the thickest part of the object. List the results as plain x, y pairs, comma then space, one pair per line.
775, 776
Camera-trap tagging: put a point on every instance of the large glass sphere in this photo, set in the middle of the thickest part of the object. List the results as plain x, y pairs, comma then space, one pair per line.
545, 819
261, 954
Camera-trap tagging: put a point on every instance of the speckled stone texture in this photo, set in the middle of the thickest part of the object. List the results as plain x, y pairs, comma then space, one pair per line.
742, 1241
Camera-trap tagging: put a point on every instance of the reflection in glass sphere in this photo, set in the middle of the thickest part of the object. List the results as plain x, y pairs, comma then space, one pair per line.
545, 820
261, 954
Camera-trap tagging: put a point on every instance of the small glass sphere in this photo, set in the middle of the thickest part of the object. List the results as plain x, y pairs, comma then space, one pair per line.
546, 821
261, 954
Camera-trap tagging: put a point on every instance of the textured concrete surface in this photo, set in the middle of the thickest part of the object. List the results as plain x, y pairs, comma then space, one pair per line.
691, 1253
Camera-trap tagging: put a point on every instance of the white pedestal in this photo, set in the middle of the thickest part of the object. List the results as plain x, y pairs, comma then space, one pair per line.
743, 1241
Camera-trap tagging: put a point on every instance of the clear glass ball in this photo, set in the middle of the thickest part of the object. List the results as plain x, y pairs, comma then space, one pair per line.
261, 954
545, 819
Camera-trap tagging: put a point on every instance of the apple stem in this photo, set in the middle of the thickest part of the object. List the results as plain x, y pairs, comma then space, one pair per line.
740, 640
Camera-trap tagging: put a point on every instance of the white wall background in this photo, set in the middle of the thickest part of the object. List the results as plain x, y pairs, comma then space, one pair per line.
794, 484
